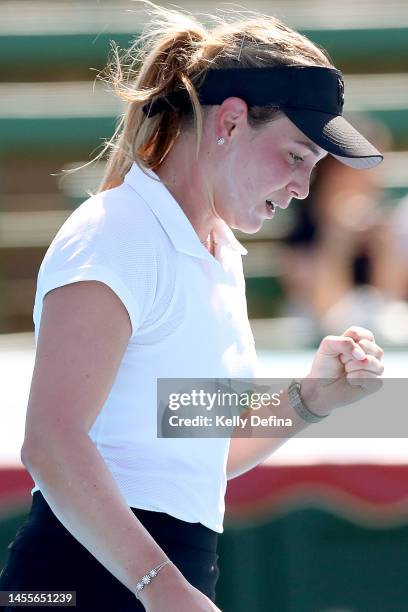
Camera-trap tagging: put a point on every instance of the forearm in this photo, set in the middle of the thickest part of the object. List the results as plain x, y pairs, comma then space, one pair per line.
252, 445
336, 378
85, 498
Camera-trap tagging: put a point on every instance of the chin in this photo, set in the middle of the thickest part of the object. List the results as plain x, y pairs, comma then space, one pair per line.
249, 227
249, 224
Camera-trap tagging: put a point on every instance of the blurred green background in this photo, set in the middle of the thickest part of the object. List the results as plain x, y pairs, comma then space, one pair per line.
302, 556
54, 116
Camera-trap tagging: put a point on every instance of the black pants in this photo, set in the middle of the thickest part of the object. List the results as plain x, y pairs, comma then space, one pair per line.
44, 556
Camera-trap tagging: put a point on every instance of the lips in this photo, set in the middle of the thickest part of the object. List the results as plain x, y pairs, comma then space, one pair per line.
271, 205
270, 210
282, 205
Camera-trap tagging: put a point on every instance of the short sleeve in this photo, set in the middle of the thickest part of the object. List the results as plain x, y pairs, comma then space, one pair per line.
108, 240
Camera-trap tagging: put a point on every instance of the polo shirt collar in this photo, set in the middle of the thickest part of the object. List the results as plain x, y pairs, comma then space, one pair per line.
172, 217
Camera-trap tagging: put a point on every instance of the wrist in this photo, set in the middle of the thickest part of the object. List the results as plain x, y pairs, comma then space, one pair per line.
310, 391
167, 584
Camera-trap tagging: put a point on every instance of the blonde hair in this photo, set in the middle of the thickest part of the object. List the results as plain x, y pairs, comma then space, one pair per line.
174, 50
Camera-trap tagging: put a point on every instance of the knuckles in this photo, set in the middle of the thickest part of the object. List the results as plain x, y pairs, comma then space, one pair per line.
360, 332
372, 348
371, 364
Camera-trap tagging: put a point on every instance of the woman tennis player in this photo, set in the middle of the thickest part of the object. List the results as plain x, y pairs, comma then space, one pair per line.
223, 125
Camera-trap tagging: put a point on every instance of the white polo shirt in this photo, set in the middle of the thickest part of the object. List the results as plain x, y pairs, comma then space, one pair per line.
189, 320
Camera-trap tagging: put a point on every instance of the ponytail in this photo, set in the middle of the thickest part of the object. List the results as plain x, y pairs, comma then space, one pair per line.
165, 54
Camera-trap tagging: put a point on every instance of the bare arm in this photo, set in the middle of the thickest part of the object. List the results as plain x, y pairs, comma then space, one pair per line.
247, 452
84, 332
337, 378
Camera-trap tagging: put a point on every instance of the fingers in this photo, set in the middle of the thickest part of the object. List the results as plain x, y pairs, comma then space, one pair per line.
370, 364
365, 380
335, 346
369, 347
359, 333
358, 371
357, 350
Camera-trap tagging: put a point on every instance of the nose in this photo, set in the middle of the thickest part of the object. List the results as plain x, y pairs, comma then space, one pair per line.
299, 189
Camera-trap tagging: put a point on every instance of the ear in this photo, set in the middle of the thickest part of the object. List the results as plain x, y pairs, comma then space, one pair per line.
231, 115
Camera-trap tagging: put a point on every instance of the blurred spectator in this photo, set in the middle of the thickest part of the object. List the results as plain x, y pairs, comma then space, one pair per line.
400, 225
343, 263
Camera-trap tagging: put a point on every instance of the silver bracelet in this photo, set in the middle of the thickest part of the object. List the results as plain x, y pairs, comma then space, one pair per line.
147, 578
297, 403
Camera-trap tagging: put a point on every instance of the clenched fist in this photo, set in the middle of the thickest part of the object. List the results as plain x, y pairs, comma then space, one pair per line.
345, 369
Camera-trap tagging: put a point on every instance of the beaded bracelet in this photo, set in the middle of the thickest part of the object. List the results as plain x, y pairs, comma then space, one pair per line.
147, 578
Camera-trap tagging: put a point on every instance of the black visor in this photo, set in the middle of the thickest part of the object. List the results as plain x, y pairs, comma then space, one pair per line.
311, 97
337, 136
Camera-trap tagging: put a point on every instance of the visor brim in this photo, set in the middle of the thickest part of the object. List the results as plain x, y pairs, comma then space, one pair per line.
337, 136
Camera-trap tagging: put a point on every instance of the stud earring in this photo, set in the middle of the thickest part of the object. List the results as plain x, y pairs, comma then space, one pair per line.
221, 141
